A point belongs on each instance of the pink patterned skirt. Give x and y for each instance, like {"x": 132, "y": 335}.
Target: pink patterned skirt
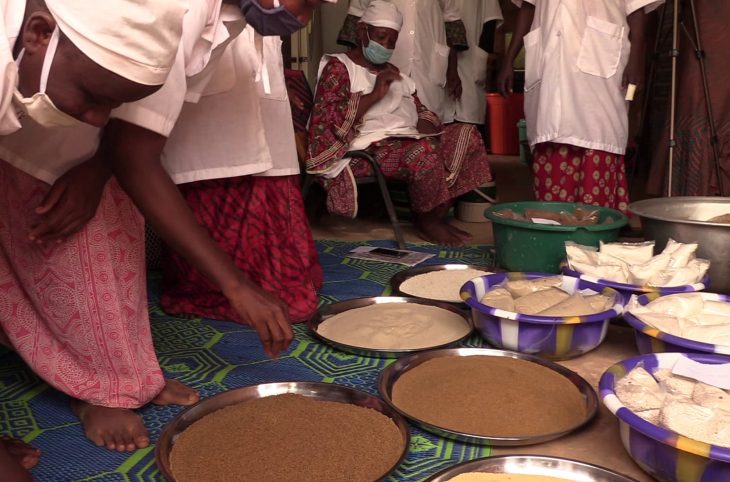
{"x": 77, "y": 311}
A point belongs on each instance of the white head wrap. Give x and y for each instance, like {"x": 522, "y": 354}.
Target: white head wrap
{"x": 136, "y": 39}
{"x": 382, "y": 14}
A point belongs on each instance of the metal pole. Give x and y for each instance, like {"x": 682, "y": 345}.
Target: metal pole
{"x": 697, "y": 44}
{"x": 673, "y": 95}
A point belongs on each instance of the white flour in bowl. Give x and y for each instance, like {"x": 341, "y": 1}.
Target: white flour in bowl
{"x": 395, "y": 326}
{"x": 443, "y": 285}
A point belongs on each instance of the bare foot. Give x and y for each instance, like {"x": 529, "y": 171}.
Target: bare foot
{"x": 12, "y": 467}
{"x": 176, "y": 393}
{"x": 26, "y": 455}
{"x": 460, "y": 233}
{"x": 439, "y": 233}
{"x": 117, "y": 429}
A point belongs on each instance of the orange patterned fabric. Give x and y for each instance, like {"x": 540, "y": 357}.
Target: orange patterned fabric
{"x": 77, "y": 311}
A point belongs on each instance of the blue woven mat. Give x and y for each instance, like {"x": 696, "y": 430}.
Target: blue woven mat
{"x": 213, "y": 356}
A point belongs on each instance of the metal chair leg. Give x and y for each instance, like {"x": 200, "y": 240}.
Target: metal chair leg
{"x": 389, "y": 207}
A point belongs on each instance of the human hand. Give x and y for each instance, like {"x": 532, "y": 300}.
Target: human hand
{"x": 504, "y": 80}
{"x": 425, "y": 127}
{"x": 634, "y": 71}
{"x": 71, "y": 202}
{"x": 264, "y": 313}
{"x": 385, "y": 77}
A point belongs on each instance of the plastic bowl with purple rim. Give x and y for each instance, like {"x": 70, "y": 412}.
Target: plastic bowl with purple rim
{"x": 653, "y": 340}
{"x": 665, "y": 455}
{"x": 628, "y": 289}
{"x": 553, "y": 337}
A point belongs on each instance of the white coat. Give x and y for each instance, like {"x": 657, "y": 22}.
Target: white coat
{"x": 231, "y": 117}
{"x": 472, "y": 63}
{"x": 575, "y": 56}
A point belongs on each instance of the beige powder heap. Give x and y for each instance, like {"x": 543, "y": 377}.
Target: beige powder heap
{"x": 490, "y": 396}
{"x": 442, "y": 285}
{"x": 286, "y": 438}
{"x": 487, "y": 477}
{"x": 395, "y": 326}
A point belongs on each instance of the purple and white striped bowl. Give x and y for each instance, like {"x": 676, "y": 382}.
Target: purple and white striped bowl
{"x": 553, "y": 337}
{"x": 628, "y": 289}
{"x": 653, "y": 340}
{"x": 663, "y": 454}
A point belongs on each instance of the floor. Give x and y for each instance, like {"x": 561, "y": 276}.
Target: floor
{"x": 514, "y": 183}
{"x": 599, "y": 443}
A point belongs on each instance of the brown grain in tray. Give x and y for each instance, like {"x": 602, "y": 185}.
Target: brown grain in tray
{"x": 490, "y": 396}
{"x": 287, "y": 438}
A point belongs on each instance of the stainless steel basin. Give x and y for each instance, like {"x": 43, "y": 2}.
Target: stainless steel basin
{"x": 684, "y": 219}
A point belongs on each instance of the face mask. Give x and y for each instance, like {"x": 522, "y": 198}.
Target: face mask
{"x": 375, "y": 52}
{"x": 277, "y": 21}
{"x": 40, "y": 107}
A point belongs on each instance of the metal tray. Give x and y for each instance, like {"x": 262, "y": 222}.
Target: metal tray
{"x": 343, "y": 306}
{"x": 560, "y": 468}
{"x": 389, "y": 376}
{"x": 400, "y": 277}
{"x": 316, "y": 390}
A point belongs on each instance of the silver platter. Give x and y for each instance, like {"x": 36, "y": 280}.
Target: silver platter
{"x": 348, "y": 305}
{"x": 560, "y": 468}
{"x": 316, "y": 390}
{"x": 389, "y": 376}
{"x": 399, "y": 278}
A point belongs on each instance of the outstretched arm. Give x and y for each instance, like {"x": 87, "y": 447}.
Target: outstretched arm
{"x": 135, "y": 156}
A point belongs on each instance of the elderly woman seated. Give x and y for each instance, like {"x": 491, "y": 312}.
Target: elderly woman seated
{"x": 363, "y": 102}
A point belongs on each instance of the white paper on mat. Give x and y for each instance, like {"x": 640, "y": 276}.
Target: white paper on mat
{"x": 411, "y": 258}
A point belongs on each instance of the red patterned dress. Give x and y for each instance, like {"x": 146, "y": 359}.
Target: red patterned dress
{"x": 569, "y": 173}
{"x": 437, "y": 169}
{"x": 261, "y": 223}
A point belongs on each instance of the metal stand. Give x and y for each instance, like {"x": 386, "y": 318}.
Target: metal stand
{"x": 696, "y": 43}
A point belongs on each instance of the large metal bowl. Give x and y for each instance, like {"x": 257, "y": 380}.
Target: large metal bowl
{"x": 393, "y": 372}
{"x": 315, "y": 390}
{"x": 342, "y": 306}
{"x": 560, "y": 468}
{"x": 684, "y": 219}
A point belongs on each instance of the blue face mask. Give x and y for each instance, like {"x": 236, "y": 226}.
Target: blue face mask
{"x": 277, "y": 21}
{"x": 375, "y": 52}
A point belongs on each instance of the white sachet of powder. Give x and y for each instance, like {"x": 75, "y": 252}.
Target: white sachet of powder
{"x": 640, "y": 274}
{"x": 681, "y": 253}
{"x": 711, "y": 397}
{"x": 716, "y": 307}
{"x": 679, "y": 305}
{"x": 630, "y": 253}
{"x": 499, "y": 298}
{"x": 538, "y": 301}
{"x": 639, "y": 391}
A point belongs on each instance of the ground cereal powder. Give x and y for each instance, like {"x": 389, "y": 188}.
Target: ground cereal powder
{"x": 287, "y": 438}
{"x": 490, "y": 396}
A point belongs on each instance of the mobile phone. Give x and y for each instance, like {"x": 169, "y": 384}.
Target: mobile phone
{"x": 393, "y": 253}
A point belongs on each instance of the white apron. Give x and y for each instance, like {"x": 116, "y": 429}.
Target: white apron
{"x": 575, "y": 56}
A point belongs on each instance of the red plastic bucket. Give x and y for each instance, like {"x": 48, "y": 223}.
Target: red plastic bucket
{"x": 504, "y": 113}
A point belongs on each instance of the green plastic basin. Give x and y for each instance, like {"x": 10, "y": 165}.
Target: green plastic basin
{"x": 525, "y": 246}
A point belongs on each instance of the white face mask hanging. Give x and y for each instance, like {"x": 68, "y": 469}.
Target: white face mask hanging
{"x": 40, "y": 107}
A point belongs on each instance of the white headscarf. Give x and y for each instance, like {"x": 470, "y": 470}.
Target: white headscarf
{"x": 382, "y": 14}
{"x": 136, "y": 39}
